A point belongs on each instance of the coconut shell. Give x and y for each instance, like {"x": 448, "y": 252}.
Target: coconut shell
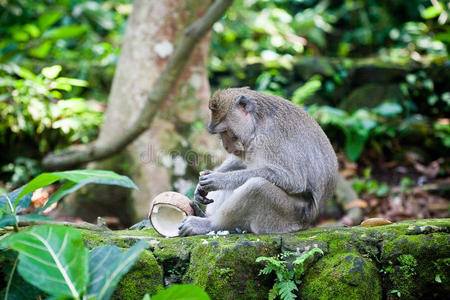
{"x": 167, "y": 211}
{"x": 175, "y": 199}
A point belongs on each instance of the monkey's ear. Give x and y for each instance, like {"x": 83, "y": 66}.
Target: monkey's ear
{"x": 245, "y": 103}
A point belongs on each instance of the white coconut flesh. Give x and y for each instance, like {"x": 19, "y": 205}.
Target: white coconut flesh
{"x": 166, "y": 219}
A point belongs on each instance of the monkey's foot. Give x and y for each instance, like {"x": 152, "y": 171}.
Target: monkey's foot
{"x": 195, "y": 225}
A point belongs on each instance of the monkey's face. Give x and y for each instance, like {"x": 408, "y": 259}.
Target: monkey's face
{"x": 232, "y": 144}
{"x": 232, "y": 113}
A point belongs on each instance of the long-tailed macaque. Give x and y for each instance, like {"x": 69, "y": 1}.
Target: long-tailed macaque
{"x": 280, "y": 171}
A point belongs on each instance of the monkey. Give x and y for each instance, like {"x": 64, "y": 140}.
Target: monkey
{"x": 280, "y": 171}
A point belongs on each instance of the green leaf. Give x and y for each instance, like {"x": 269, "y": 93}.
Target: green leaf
{"x": 52, "y": 258}
{"x": 102, "y": 176}
{"x": 433, "y": 11}
{"x": 12, "y": 196}
{"x": 65, "y": 32}
{"x": 32, "y": 30}
{"x": 40, "y": 181}
{"x": 67, "y": 188}
{"x": 48, "y": 19}
{"x": 304, "y": 256}
{"x": 442, "y": 36}
{"x": 72, "y": 81}
{"x": 354, "y": 144}
{"x": 307, "y": 90}
{"x": 388, "y": 109}
{"x": 51, "y": 72}
{"x": 95, "y": 176}
{"x": 25, "y": 73}
{"x": 42, "y": 50}
{"x": 383, "y": 190}
{"x": 273, "y": 293}
{"x": 437, "y": 278}
{"x": 329, "y": 115}
{"x": 182, "y": 292}
{"x": 71, "y": 186}
{"x": 8, "y": 220}
{"x": 20, "y": 36}
{"x": 107, "y": 265}
{"x": 286, "y": 289}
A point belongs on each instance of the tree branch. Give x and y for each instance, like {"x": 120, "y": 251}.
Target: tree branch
{"x": 156, "y": 97}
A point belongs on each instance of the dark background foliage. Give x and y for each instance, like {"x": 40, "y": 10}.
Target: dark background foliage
{"x": 374, "y": 74}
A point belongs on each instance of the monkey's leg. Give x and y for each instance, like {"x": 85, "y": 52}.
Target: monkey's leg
{"x": 193, "y": 225}
{"x": 260, "y": 207}
{"x": 219, "y": 198}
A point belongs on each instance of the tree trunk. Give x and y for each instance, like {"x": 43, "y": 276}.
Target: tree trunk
{"x": 169, "y": 155}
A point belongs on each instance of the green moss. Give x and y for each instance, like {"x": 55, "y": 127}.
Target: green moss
{"x": 342, "y": 276}
{"x": 227, "y": 270}
{"x": 408, "y": 264}
{"x": 144, "y": 277}
{"x": 412, "y": 262}
{"x": 93, "y": 239}
{"x": 120, "y": 238}
{"x": 173, "y": 255}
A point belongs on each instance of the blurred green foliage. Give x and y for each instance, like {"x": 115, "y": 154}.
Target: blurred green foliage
{"x": 36, "y": 116}
{"x": 82, "y": 36}
{"x": 374, "y": 73}
{"x": 320, "y": 53}
{"x": 49, "y": 51}
{"x": 367, "y": 185}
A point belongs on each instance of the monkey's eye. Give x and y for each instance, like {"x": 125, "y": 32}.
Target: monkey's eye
{"x": 213, "y": 107}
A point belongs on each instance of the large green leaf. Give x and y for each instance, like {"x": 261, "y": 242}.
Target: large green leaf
{"x": 182, "y": 292}
{"x": 52, "y": 258}
{"x": 107, "y": 265}
{"x": 78, "y": 176}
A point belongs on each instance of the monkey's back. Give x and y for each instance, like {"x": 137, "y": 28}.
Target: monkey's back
{"x": 298, "y": 144}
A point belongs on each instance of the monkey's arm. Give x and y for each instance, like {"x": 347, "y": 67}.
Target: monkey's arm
{"x": 231, "y": 163}
{"x": 290, "y": 183}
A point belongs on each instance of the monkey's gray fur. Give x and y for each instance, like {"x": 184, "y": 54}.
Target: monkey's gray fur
{"x": 281, "y": 173}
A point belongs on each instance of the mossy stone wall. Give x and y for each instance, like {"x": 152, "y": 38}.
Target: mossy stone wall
{"x": 406, "y": 260}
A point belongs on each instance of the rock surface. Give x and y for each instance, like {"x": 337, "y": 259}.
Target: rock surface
{"x": 410, "y": 259}
{"x": 404, "y": 260}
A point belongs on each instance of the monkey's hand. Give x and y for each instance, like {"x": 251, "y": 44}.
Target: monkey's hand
{"x": 211, "y": 181}
{"x": 195, "y": 225}
{"x": 200, "y": 196}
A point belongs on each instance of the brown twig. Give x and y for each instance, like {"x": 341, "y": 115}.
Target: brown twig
{"x": 83, "y": 225}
